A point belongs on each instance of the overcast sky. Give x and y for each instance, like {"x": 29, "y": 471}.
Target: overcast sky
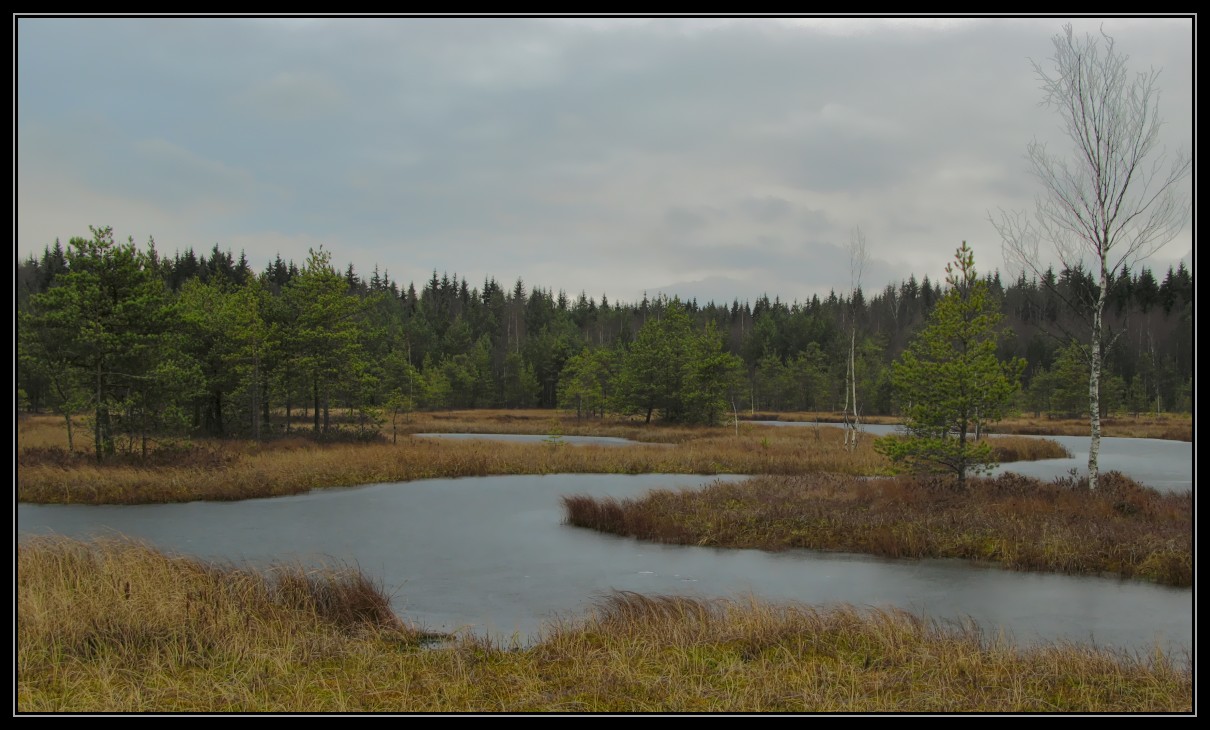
{"x": 710, "y": 158}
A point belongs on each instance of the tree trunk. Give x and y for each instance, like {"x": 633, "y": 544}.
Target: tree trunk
{"x": 105, "y": 431}
{"x": 266, "y": 423}
{"x": 255, "y": 397}
{"x": 218, "y": 413}
{"x": 143, "y": 430}
{"x": 1094, "y": 382}
{"x": 853, "y": 383}
{"x": 315, "y": 398}
{"x": 327, "y": 418}
{"x": 850, "y": 389}
{"x": 962, "y": 457}
{"x": 102, "y": 437}
{"x": 71, "y": 444}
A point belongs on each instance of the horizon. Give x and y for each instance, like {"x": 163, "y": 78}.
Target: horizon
{"x": 714, "y": 159}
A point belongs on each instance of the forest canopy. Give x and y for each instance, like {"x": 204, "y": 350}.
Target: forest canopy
{"x": 206, "y": 344}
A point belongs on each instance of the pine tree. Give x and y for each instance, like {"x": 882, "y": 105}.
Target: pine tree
{"x": 105, "y": 329}
{"x": 674, "y": 369}
{"x": 326, "y": 338}
{"x": 949, "y": 381}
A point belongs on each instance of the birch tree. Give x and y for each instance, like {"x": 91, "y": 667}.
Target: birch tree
{"x": 858, "y": 256}
{"x": 1114, "y": 199}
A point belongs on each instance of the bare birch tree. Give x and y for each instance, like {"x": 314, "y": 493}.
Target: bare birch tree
{"x": 1116, "y": 200}
{"x": 858, "y": 256}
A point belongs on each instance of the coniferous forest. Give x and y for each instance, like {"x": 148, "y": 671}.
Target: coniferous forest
{"x": 207, "y": 344}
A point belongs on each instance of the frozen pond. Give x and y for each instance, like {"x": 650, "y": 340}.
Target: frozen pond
{"x": 1164, "y": 465}
{"x": 491, "y": 555}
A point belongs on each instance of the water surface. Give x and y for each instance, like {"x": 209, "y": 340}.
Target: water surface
{"x": 491, "y": 555}
{"x": 1163, "y": 464}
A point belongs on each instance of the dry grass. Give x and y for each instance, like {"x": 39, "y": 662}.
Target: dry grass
{"x": 116, "y": 627}
{"x": 835, "y": 417}
{"x": 547, "y": 422}
{"x": 49, "y": 432}
{"x": 1170, "y": 426}
{"x": 1167, "y": 426}
{"x": 1008, "y": 449}
{"x": 233, "y": 470}
{"x": 1021, "y": 523}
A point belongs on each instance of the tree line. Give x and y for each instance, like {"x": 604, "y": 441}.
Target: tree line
{"x": 196, "y": 344}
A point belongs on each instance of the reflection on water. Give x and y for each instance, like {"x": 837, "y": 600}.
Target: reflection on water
{"x": 491, "y": 554}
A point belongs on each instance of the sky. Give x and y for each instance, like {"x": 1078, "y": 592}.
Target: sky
{"x": 708, "y": 158}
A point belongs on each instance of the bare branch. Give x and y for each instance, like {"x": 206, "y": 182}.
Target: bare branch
{"x": 1116, "y": 200}
{"x": 859, "y": 256}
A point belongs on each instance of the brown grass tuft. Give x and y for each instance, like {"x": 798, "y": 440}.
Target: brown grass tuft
{"x": 1022, "y": 523}
{"x": 114, "y": 626}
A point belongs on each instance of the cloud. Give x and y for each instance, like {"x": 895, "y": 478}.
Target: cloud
{"x": 608, "y": 155}
{"x": 291, "y": 96}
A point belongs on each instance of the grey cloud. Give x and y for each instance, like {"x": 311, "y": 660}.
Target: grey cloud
{"x": 292, "y": 95}
{"x": 588, "y": 145}
{"x": 766, "y": 208}
{"x": 683, "y": 219}
{"x": 813, "y": 221}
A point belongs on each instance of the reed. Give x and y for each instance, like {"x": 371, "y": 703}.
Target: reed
{"x": 232, "y": 470}
{"x": 114, "y": 626}
{"x": 1166, "y": 426}
{"x": 548, "y": 421}
{"x": 833, "y": 417}
{"x": 45, "y": 431}
{"x": 1020, "y": 523}
{"x": 1169, "y": 426}
{"x": 1008, "y": 449}
{"x": 96, "y": 616}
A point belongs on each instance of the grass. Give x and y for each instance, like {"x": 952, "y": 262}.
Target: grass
{"x": 545, "y": 421}
{"x": 232, "y": 470}
{"x": 1007, "y": 449}
{"x": 1020, "y": 523}
{"x": 115, "y": 626}
{"x": 1169, "y": 426}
